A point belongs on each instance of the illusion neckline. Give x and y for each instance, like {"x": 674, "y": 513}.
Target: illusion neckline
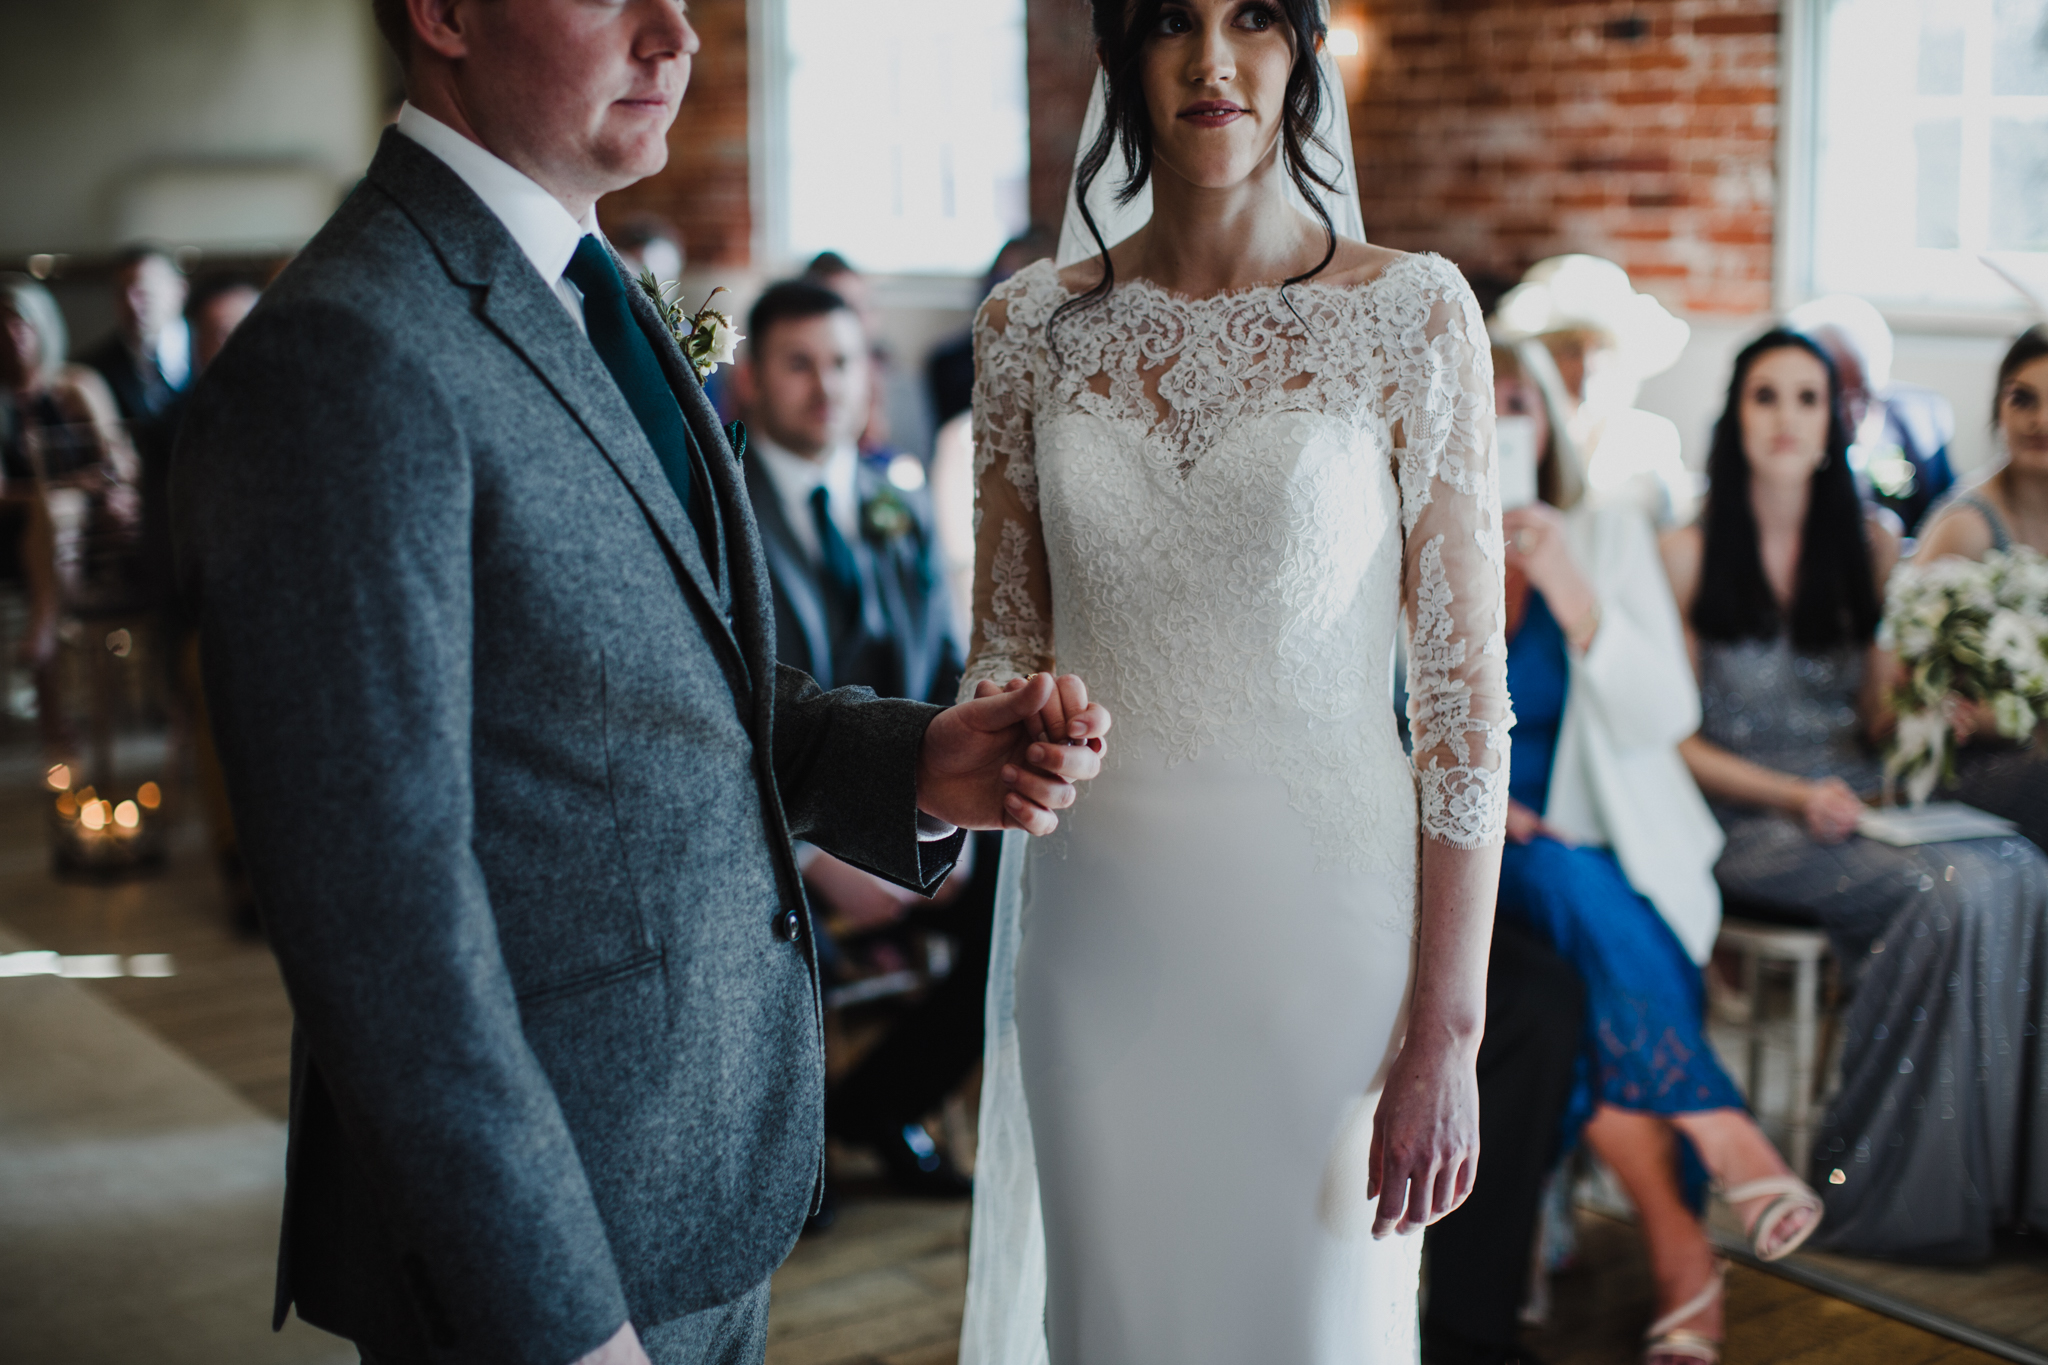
{"x": 1242, "y": 292}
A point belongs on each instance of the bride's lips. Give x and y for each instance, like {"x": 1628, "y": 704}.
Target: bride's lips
{"x": 1213, "y": 113}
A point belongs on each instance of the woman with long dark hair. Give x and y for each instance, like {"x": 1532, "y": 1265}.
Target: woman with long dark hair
{"x": 2005, "y": 507}
{"x": 1920, "y": 1152}
{"x": 1234, "y": 1016}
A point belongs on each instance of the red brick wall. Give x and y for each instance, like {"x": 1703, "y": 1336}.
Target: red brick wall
{"x": 1060, "y": 65}
{"x": 704, "y": 189}
{"x": 1499, "y": 132}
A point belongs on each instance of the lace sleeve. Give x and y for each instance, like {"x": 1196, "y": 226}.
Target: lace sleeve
{"x": 1012, "y": 593}
{"x": 1440, "y": 407}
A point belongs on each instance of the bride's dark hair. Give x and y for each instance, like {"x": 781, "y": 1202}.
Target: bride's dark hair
{"x": 1122, "y": 28}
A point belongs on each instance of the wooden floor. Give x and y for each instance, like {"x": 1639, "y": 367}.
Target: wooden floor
{"x": 885, "y": 1286}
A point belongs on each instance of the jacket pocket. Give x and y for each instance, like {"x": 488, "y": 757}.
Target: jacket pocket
{"x": 593, "y": 979}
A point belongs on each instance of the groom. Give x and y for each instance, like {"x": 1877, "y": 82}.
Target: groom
{"x": 490, "y": 652}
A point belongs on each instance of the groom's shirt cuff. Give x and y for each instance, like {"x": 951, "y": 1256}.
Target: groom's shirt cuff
{"x": 931, "y": 829}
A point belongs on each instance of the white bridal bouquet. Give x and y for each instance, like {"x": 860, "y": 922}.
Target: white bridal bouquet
{"x": 1969, "y": 630}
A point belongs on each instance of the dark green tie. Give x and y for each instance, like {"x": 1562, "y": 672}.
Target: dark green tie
{"x": 627, "y": 353}
{"x": 842, "y": 573}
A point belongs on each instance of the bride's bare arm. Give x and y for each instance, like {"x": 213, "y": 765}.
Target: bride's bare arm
{"x": 1426, "y": 1133}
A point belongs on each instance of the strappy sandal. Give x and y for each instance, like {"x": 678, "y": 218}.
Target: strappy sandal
{"x": 1794, "y": 1196}
{"x": 1666, "y": 1343}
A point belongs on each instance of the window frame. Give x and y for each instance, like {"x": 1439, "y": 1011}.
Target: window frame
{"x": 1802, "y": 64}
{"x": 769, "y": 162}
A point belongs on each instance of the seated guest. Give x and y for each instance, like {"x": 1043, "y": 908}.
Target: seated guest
{"x": 218, "y": 305}
{"x": 1898, "y": 432}
{"x": 2004, "y": 507}
{"x": 1609, "y": 862}
{"x": 859, "y": 599}
{"x": 66, "y": 467}
{"x": 900, "y": 418}
{"x": 148, "y": 359}
{"x": 1921, "y": 1152}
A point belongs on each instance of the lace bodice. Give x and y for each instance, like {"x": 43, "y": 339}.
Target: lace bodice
{"x": 1216, "y": 513}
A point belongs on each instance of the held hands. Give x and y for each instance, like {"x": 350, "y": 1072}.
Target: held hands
{"x": 1425, "y": 1135}
{"x": 1830, "y": 809}
{"x": 1010, "y": 758}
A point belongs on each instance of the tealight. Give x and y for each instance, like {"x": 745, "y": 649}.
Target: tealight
{"x": 127, "y": 816}
{"x": 150, "y": 795}
{"x": 93, "y": 815}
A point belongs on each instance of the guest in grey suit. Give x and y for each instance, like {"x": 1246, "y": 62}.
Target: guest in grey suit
{"x": 491, "y": 659}
{"x": 860, "y": 598}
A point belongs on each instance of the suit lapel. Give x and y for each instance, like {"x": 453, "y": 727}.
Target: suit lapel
{"x": 790, "y": 572}
{"x": 533, "y": 322}
{"x": 753, "y": 612}
{"x": 477, "y": 251}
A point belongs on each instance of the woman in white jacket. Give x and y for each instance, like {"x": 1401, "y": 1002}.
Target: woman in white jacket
{"x": 1610, "y": 860}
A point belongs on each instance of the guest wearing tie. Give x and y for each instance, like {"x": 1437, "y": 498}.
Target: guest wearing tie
{"x": 148, "y": 359}
{"x": 860, "y": 600}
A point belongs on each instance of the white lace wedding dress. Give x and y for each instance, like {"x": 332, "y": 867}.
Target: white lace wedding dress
{"x": 1216, "y": 513}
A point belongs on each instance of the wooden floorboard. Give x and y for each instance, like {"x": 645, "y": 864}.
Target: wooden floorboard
{"x": 884, "y": 1287}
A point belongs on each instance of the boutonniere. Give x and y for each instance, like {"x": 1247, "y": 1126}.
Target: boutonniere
{"x": 886, "y": 515}
{"x": 707, "y": 337}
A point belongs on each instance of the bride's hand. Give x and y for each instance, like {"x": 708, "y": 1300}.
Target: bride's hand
{"x": 985, "y": 764}
{"x": 1425, "y": 1136}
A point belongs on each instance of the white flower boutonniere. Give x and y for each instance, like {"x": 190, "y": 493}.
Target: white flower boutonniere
{"x": 707, "y": 337}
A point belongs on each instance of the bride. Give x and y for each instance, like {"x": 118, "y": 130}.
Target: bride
{"x": 1235, "y": 1002}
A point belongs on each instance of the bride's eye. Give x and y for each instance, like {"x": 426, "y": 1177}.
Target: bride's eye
{"x": 1258, "y": 18}
{"x": 1174, "y": 23}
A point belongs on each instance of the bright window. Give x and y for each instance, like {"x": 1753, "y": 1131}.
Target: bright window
{"x": 1930, "y": 150}
{"x": 897, "y": 133}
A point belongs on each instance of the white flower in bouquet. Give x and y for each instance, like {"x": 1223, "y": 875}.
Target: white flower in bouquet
{"x": 1967, "y": 630}
{"x": 2014, "y": 717}
{"x": 2014, "y": 641}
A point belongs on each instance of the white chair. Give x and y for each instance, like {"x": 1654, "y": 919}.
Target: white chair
{"x": 1777, "y": 947}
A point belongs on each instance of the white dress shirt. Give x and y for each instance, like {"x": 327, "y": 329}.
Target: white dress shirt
{"x": 172, "y": 353}
{"x": 536, "y": 219}
{"x": 796, "y": 478}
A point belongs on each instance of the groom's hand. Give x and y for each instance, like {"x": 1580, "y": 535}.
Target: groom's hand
{"x": 1010, "y": 758}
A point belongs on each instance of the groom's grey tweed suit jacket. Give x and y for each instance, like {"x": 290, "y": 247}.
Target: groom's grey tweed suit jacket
{"x": 516, "y": 780}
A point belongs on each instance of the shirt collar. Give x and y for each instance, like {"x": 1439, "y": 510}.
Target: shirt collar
{"x": 795, "y": 477}
{"x": 545, "y": 232}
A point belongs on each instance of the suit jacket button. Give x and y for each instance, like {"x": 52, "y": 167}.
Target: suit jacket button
{"x": 787, "y": 925}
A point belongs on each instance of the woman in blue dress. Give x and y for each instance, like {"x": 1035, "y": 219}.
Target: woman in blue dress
{"x": 1610, "y": 860}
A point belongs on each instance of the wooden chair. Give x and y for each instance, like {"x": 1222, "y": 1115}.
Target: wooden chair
{"x": 1769, "y": 940}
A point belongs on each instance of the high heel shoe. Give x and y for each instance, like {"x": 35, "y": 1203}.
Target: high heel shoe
{"x": 1794, "y": 1196}
{"x": 1666, "y": 1343}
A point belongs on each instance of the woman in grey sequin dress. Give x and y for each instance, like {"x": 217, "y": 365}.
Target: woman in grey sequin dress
{"x": 1939, "y": 1133}
{"x": 2006, "y": 507}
